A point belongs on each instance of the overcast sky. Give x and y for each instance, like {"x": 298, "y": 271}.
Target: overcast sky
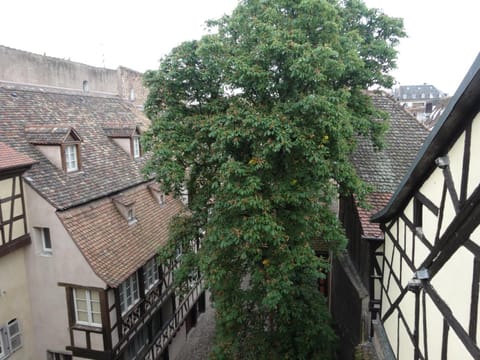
{"x": 443, "y": 35}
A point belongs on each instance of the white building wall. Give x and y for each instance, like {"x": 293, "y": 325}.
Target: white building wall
{"x": 44, "y": 273}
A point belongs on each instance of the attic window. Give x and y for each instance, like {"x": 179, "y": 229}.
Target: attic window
{"x": 59, "y": 143}
{"x": 126, "y": 208}
{"x": 157, "y": 194}
{"x": 127, "y": 136}
{"x": 71, "y": 160}
{"x": 136, "y": 147}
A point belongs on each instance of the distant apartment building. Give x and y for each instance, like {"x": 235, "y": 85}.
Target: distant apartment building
{"x": 419, "y": 100}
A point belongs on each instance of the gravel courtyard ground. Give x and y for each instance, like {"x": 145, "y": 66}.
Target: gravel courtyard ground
{"x": 200, "y": 338}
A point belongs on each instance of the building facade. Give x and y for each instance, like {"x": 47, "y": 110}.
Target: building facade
{"x": 16, "y": 333}
{"x": 92, "y": 286}
{"x": 431, "y": 258}
{"x": 355, "y": 296}
{"x": 420, "y": 100}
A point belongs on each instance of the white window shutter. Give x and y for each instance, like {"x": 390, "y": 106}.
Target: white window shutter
{"x": 14, "y": 335}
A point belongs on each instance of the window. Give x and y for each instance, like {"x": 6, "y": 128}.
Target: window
{"x": 137, "y": 344}
{"x": 44, "y": 240}
{"x": 3, "y": 351}
{"x": 14, "y": 335}
{"x": 130, "y": 215}
{"x": 150, "y": 274}
{"x": 128, "y": 292}
{"x": 71, "y": 160}
{"x": 136, "y": 147}
{"x": 10, "y": 338}
{"x": 87, "y": 307}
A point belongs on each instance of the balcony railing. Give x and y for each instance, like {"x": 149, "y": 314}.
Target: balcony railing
{"x": 143, "y": 311}
{"x": 160, "y": 342}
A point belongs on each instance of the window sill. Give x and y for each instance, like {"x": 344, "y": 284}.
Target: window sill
{"x": 85, "y": 327}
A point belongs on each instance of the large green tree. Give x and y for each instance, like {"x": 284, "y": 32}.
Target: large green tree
{"x": 256, "y": 121}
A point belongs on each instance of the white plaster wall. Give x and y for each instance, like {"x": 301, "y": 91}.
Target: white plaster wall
{"x": 67, "y": 264}
{"x": 453, "y": 282}
{"x": 432, "y": 188}
{"x": 52, "y": 153}
{"x": 124, "y": 143}
{"x": 14, "y": 300}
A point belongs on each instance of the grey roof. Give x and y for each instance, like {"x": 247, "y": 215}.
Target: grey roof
{"x": 385, "y": 169}
{"x": 458, "y": 113}
{"x": 417, "y": 92}
{"x": 49, "y": 134}
{"x": 33, "y": 114}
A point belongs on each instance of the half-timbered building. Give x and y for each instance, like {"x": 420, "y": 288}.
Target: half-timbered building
{"x": 16, "y": 335}
{"x": 354, "y": 300}
{"x": 95, "y": 287}
{"x": 431, "y": 255}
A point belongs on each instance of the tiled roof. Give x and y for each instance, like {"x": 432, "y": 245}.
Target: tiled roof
{"x": 459, "y": 112}
{"x": 377, "y": 201}
{"x": 44, "y": 134}
{"x": 119, "y": 130}
{"x": 112, "y": 247}
{"x": 9, "y": 158}
{"x": 385, "y": 169}
{"x": 28, "y": 113}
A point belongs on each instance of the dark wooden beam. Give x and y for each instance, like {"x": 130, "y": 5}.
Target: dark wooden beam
{"x": 440, "y": 215}
{"x": 455, "y": 235}
{"x": 427, "y": 203}
{"x": 472, "y": 330}
{"x": 447, "y": 174}
{"x": 466, "y": 164}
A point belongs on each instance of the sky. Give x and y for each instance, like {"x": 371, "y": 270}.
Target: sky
{"x": 441, "y": 44}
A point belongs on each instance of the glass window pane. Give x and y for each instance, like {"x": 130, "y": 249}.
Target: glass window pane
{"x": 96, "y": 318}
{"x": 81, "y": 305}
{"x": 95, "y": 307}
{"x": 95, "y": 295}
{"x": 82, "y": 316}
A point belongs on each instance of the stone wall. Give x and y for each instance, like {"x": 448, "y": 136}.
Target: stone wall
{"x": 23, "y": 67}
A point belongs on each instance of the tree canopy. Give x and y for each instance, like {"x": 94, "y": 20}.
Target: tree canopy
{"x": 256, "y": 121}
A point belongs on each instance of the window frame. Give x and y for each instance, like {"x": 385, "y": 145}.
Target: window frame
{"x": 89, "y": 309}
{"x": 65, "y": 159}
{"x": 18, "y": 334}
{"x": 150, "y": 271}
{"x": 129, "y": 285}
{"x": 136, "y": 148}
{"x": 3, "y": 350}
{"x": 41, "y": 240}
{"x": 69, "y": 159}
{"x": 46, "y": 250}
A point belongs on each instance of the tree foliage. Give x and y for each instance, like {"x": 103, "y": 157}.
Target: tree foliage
{"x": 257, "y": 122}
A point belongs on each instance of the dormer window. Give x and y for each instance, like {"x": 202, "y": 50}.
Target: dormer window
{"x": 126, "y": 207}
{"x": 157, "y": 194}
{"x": 130, "y": 215}
{"x": 71, "y": 160}
{"x": 127, "y": 136}
{"x": 59, "y": 143}
{"x": 136, "y": 147}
